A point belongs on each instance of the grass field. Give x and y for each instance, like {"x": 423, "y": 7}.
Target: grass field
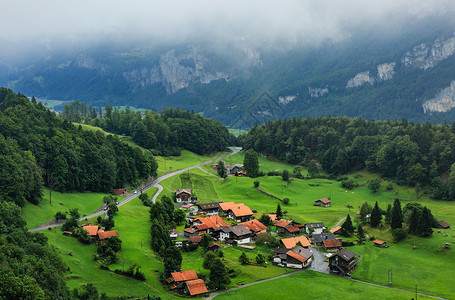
{"x": 87, "y": 203}
{"x": 313, "y": 285}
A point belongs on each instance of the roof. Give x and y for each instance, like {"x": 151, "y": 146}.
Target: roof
{"x": 173, "y": 231}
{"x": 346, "y": 254}
{"x": 378, "y": 242}
{"x": 196, "y": 239}
{"x": 254, "y": 225}
{"x": 282, "y": 223}
{"x": 196, "y": 287}
{"x": 179, "y": 191}
{"x": 227, "y": 205}
{"x": 224, "y": 229}
{"x": 213, "y": 222}
{"x": 107, "y": 234}
{"x": 190, "y": 230}
{"x": 296, "y": 256}
{"x": 335, "y": 229}
{"x": 443, "y": 223}
{"x": 240, "y": 230}
{"x": 324, "y": 200}
{"x": 187, "y": 205}
{"x": 315, "y": 225}
{"x": 91, "y": 230}
{"x": 212, "y": 205}
{"x": 213, "y": 245}
{"x": 318, "y": 238}
{"x": 272, "y": 217}
{"x": 184, "y": 275}
{"x": 239, "y": 209}
{"x": 292, "y": 229}
{"x": 331, "y": 243}
{"x": 292, "y": 242}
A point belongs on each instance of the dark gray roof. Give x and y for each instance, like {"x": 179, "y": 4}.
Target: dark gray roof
{"x": 315, "y": 225}
{"x": 346, "y": 254}
{"x": 281, "y": 250}
{"x": 212, "y": 205}
{"x": 224, "y": 229}
{"x": 302, "y": 251}
{"x": 318, "y": 238}
{"x": 240, "y": 230}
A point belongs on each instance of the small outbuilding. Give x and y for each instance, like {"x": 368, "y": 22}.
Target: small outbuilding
{"x": 443, "y": 224}
{"x": 323, "y": 202}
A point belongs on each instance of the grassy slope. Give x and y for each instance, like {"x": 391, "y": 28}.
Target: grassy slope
{"x": 87, "y": 203}
{"x": 312, "y": 285}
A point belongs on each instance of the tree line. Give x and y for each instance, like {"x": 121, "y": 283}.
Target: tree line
{"x": 411, "y": 154}
{"x": 165, "y": 133}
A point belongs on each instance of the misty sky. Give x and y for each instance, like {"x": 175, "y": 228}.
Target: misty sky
{"x": 304, "y": 21}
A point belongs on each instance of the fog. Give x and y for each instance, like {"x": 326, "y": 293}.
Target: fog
{"x": 85, "y": 22}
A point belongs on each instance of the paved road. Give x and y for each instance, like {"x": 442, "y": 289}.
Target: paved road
{"x": 339, "y": 222}
{"x": 153, "y": 183}
{"x": 205, "y": 171}
{"x": 319, "y": 264}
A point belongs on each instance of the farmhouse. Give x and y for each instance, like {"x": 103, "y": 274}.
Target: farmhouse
{"x": 290, "y": 243}
{"x": 208, "y": 224}
{"x": 323, "y": 202}
{"x": 195, "y": 239}
{"x": 120, "y": 192}
{"x": 91, "y": 230}
{"x": 255, "y": 226}
{"x": 213, "y": 247}
{"x": 178, "y": 279}
{"x": 297, "y": 257}
{"x": 234, "y": 168}
{"x": 195, "y": 287}
{"x": 209, "y": 208}
{"x": 182, "y": 194}
{"x": 173, "y": 234}
{"x": 317, "y": 239}
{"x": 343, "y": 261}
{"x": 107, "y": 234}
{"x": 443, "y": 224}
{"x": 317, "y": 228}
{"x": 288, "y": 227}
{"x": 188, "y": 232}
{"x": 381, "y": 244}
{"x": 239, "y": 234}
{"x": 238, "y": 212}
{"x": 331, "y": 245}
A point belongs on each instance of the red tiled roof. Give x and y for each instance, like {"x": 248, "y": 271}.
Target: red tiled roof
{"x": 331, "y": 243}
{"x": 179, "y": 191}
{"x": 107, "y": 234}
{"x": 292, "y": 228}
{"x": 91, "y": 230}
{"x": 254, "y": 225}
{"x": 190, "y": 230}
{"x": 195, "y": 239}
{"x": 296, "y": 256}
{"x": 282, "y": 223}
{"x": 333, "y": 230}
{"x": 325, "y": 200}
{"x": 213, "y": 244}
{"x": 184, "y": 275}
{"x": 239, "y": 210}
{"x": 213, "y": 222}
{"x": 378, "y": 242}
{"x": 196, "y": 287}
{"x": 291, "y": 242}
{"x": 272, "y": 217}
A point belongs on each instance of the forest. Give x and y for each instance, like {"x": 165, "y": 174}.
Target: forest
{"x": 411, "y": 154}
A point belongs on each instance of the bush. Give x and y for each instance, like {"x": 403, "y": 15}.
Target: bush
{"x": 399, "y": 234}
{"x": 256, "y": 184}
{"x": 348, "y": 184}
{"x": 341, "y": 178}
{"x": 286, "y": 201}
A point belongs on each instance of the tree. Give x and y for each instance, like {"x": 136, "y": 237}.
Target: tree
{"x": 398, "y": 234}
{"x": 172, "y": 259}
{"x": 115, "y": 243}
{"x": 365, "y": 210}
{"x": 413, "y": 220}
{"x": 209, "y": 257}
{"x": 285, "y": 175}
{"x": 374, "y": 185}
{"x": 60, "y": 216}
{"x": 221, "y": 169}
{"x": 243, "y": 259}
{"x": 112, "y": 209}
{"x": 256, "y": 183}
{"x": 376, "y": 216}
{"x": 360, "y": 234}
{"x": 451, "y": 183}
{"x": 279, "y": 213}
{"x": 218, "y": 277}
{"x": 388, "y": 215}
{"x": 397, "y": 215}
{"x": 286, "y": 201}
{"x": 179, "y": 216}
{"x": 205, "y": 241}
{"x": 313, "y": 169}
{"x": 347, "y": 225}
{"x": 349, "y": 206}
{"x": 251, "y": 163}
{"x": 265, "y": 219}
{"x": 425, "y": 222}
{"x": 260, "y": 259}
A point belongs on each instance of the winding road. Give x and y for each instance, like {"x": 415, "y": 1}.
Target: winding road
{"x": 153, "y": 183}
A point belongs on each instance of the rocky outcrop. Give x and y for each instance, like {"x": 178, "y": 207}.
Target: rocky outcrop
{"x": 143, "y": 76}
{"x": 359, "y": 79}
{"x": 425, "y": 57}
{"x": 443, "y": 102}
{"x": 88, "y": 62}
{"x": 318, "y": 92}
{"x": 385, "y": 71}
{"x": 286, "y": 99}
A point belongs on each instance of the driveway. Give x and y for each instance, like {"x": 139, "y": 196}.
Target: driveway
{"x": 318, "y": 264}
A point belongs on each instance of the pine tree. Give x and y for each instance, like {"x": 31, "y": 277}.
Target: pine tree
{"x": 360, "y": 234}
{"x": 425, "y": 221}
{"x": 218, "y": 277}
{"x": 388, "y": 215}
{"x": 279, "y": 213}
{"x": 397, "y": 215}
{"x": 347, "y": 225}
{"x": 413, "y": 220}
{"x": 251, "y": 163}
{"x": 243, "y": 259}
{"x": 221, "y": 169}
{"x": 376, "y": 216}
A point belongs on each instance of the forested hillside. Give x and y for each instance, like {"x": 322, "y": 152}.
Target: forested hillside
{"x": 411, "y": 154}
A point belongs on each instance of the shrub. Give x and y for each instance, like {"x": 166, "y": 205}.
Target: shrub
{"x": 399, "y": 234}
{"x": 348, "y": 184}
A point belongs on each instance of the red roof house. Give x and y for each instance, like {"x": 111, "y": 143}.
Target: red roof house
{"x": 196, "y": 287}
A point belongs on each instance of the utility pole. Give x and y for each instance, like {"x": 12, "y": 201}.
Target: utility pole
{"x": 416, "y": 290}
{"x": 390, "y": 277}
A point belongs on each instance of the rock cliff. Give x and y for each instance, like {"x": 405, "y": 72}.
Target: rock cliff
{"x": 443, "y": 102}
{"x": 425, "y": 57}
{"x": 359, "y": 79}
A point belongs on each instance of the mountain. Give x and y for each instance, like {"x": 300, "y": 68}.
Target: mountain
{"x": 408, "y": 73}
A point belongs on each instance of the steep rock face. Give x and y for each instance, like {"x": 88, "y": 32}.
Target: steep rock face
{"x": 286, "y": 99}
{"x": 443, "y": 102}
{"x": 88, "y": 62}
{"x": 144, "y": 76}
{"x": 385, "y": 71}
{"x": 317, "y": 92}
{"x": 359, "y": 79}
{"x": 425, "y": 57}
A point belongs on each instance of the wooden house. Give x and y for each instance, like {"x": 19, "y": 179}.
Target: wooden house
{"x": 119, "y": 192}
{"x": 380, "y": 244}
{"x": 238, "y": 234}
{"x": 255, "y": 226}
{"x": 443, "y": 224}
{"x": 195, "y": 287}
{"x": 336, "y": 230}
{"x": 209, "y": 208}
{"x": 178, "y": 279}
{"x": 288, "y": 227}
{"x": 195, "y": 239}
{"x": 317, "y": 239}
{"x": 238, "y": 212}
{"x": 173, "y": 234}
{"x": 182, "y": 195}
{"x": 213, "y": 247}
{"x": 296, "y": 258}
{"x": 102, "y": 235}
{"x": 317, "y": 228}
{"x": 290, "y": 243}
{"x": 342, "y": 262}
{"x": 331, "y": 245}
{"x": 323, "y": 202}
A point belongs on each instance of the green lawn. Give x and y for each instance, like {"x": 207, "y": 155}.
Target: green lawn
{"x": 313, "y": 285}
{"x": 87, "y": 203}
{"x": 265, "y": 165}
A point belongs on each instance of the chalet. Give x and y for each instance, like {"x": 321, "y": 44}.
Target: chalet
{"x": 255, "y": 226}
{"x": 443, "y": 224}
{"x": 297, "y": 257}
{"x": 119, "y": 192}
{"x": 208, "y": 224}
{"x": 173, "y": 234}
{"x": 195, "y": 239}
{"x": 187, "y": 232}
{"x": 331, "y": 245}
{"x": 178, "y": 279}
{"x": 342, "y": 262}
{"x": 336, "y": 230}
{"x": 195, "y": 287}
{"x": 209, "y": 208}
{"x": 380, "y": 244}
{"x": 288, "y": 227}
{"x": 234, "y": 169}
{"x": 182, "y": 195}
{"x": 238, "y": 212}
{"x": 290, "y": 243}
{"x": 102, "y": 235}
{"x": 238, "y": 234}
{"x": 317, "y": 239}
{"x": 317, "y": 228}
{"x": 323, "y": 202}
{"x": 91, "y": 231}
{"x": 213, "y": 247}
{"x": 242, "y": 174}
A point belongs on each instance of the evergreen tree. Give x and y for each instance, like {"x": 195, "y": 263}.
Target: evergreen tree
{"x": 243, "y": 259}
{"x": 205, "y": 241}
{"x": 413, "y": 220}
{"x": 221, "y": 169}
{"x": 425, "y": 222}
{"x": 218, "y": 277}
{"x": 285, "y": 175}
{"x": 388, "y": 215}
{"x": 172, "y": 259}
{"x": 360, "y": 234}
{"x": 376, "y": 216}
{"x": 251, "y": 163}
{"x": 397, "y": 215}
{"x": 279, "y": 213}
{"x": 209, "y": 257}
{"x": 374, "y": 185}
{"x": 347, "y": 225}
